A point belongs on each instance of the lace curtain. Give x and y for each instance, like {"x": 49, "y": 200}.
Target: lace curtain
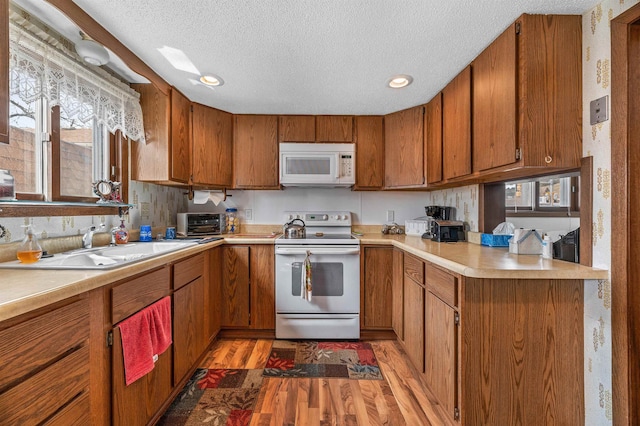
{"x": 37, "y": 69}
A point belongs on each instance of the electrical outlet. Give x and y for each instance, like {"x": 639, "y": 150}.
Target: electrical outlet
{"x": 390, "y": 215}
{"x": 248, "y": 214}
{"x": 599, "y": 110}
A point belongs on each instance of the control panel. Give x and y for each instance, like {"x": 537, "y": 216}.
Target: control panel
{"x": 346, "y": 165}
{"x": 320, "y": 218}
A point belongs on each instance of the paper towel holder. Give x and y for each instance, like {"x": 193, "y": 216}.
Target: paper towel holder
{"x": 224, "y": 191}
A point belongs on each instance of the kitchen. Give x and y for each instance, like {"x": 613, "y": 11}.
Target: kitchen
{"x": 158, "y": 204}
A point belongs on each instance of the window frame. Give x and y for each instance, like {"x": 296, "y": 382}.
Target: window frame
{"x": 541, "y": 211}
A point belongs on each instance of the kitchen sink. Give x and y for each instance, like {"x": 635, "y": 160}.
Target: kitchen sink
{"x": 107, "y": 257}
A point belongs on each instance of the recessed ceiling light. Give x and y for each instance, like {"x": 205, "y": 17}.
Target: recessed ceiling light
{"x": 400, "y": 81}
{"x": 211, "y": 80}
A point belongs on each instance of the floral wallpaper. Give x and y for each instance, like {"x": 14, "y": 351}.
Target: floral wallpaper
{"x": 596, "y": 75}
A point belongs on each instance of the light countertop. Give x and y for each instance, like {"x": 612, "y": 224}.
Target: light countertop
{"x": 22, "y": 290}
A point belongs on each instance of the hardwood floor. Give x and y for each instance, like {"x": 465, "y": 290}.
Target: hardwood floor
{"x": 400, "y": 399}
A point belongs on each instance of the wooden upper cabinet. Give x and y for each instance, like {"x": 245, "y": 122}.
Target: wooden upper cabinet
{"x": 527, "y": 96}
{"x": 369, "y": 140}
{"x": 4, "y": 71}
{"x": 456, "y": 126}
{"x": 404, "y": 148}
{"x": 212, "y": 147}
{"x": 334, "y": 128}
{"x": 297, "y": 128}
{"x": 180, "y": 137}
{"x": 255, "y": 153}
{"x": 433, "y": 139}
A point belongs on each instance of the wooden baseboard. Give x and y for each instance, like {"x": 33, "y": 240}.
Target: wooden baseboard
{"x": 231, "y": 333}
{"x": 378, "y": 335}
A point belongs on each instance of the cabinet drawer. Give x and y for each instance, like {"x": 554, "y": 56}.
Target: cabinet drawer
{"x": 34, "y": 400}
{"x": 78, "y": 413}
{"x": 414, "y": 268}
{"x": 442, "y": 284}
{"x": 32, "y": 344}
{"x": 129, "y": 297}
{"x": 187, "y": 270}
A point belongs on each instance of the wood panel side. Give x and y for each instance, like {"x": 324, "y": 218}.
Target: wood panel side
{"x": 369, "y": 140}
{"x": 495, "y": 103}
{"x": 586, "y": 211}
{"x": 296, "y": 128}
{"x": 524, "y": 339}
{"x": 456, "y": 126}
{"x": 433, "y": 139}
{"x": 334, "y": 128}
{"x": 262, "y": 282}
{"x": 4, "y": 71}
{"x": 180, "y": 137}
{"x": 212, "y": 147}
{"x": 378, "y": 276}
{"x": 234, "y": 300}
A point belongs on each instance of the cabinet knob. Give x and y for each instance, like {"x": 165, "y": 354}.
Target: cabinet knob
{"x": 548, "y": 159}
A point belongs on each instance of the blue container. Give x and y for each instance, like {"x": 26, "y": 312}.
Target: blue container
{"x": 495, "y": 240}
{"x": 171, "y": 233}
{"x": 145, "y": 233}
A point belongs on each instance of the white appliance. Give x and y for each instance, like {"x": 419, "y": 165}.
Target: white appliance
{"x": 317, "y": 164}
{"x": 334, "y": 309}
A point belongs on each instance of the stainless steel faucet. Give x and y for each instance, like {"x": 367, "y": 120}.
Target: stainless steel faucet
{"x": 87, "y": 238}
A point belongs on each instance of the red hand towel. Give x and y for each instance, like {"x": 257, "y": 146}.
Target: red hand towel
{"x": 144, "y": 335}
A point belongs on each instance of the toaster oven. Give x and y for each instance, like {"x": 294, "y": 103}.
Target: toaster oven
{"x": 200, "y": 224}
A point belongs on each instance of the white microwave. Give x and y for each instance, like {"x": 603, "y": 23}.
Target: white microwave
{"x": 317, "y": 164}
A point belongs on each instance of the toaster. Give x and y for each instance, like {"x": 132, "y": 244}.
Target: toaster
{"x": 447, "y": 231}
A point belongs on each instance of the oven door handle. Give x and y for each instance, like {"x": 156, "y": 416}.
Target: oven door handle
{"x": 338, "y": 251}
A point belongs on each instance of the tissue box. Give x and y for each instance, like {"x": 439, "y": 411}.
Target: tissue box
{"x": 492, "y": 240}
{"x": 525, "y": 241}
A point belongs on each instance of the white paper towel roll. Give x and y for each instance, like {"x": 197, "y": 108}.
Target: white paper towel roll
{"x": 201, "y": 197}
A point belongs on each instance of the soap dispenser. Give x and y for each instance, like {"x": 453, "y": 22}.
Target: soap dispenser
{"x": 29, "y": 251}
{"x": 122, "y": 234}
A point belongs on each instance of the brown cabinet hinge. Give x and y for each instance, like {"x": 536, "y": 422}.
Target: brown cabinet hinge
{"x": 456, "y": 318}
{"x": 110, "y": 338}
{"x": 456, "y": 413}
{"x": 518, "y": 154}
{"x": 518, "y": 28}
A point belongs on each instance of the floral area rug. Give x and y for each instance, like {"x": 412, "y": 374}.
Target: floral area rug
{"x": 353, "y": 360}
{"x": 216, "y": 397}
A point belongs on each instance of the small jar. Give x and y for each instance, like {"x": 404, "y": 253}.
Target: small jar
{"x": 145, "y": 233}
{"x": 7, "y": 188}
{"x": 233, "y": 224}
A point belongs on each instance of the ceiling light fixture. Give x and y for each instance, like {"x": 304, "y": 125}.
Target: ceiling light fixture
{"x": 91, "y": 52}
{"x": 211, "y": 80}
{"x": 400, "y": 81}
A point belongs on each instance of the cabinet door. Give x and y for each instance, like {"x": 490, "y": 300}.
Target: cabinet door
{"x": 495, "y": 103}
{"x": 441, "y": 352}
{"x": 377, "y": 276}
{"x": 4, "y": 71}
{"x": 369, "y": 139}
{"x": 234, "y": 308}
{"x": 212, "y": 146}
{"x": 433, "y": 139}
{"x": 297, "y": 128}
{"x": 456, "y": 126}
{"x": 255, "y": 153}
{"x": 404, "y": 148}
{"x": 334, "y": 128}
{"x": 413, "y": 310}
{"x": 150, "y": 160}
{"x": 397, "y": 294}
{"x": 189, "y": 340}
{"x": 262, "y": 282}
{"x": 180, "y": 137}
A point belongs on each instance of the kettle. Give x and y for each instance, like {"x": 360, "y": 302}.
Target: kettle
{"x": 292, "y": 230}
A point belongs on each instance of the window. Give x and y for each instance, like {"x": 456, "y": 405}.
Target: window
{"x": 545, "y": 195}
{"x": 68, "y": 122}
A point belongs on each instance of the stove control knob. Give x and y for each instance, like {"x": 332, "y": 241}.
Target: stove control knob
{"x": 344, "y": 217}
{"x": 290, "y": 217}
{"x": 325, "y": 217}
{"x": 298, "y": 216}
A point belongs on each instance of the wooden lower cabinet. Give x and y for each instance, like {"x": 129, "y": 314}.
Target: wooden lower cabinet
{"x": 414, "y": 322}
{"x": 397, "y": 294}
{"x": 376, "y": 290}
{"x": 248, "y": 288}
{"x": 189, "y": 340}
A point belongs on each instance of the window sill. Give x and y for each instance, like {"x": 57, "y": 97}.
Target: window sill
{"x": 537, "y": 213}
{"x": 58, "y": 208}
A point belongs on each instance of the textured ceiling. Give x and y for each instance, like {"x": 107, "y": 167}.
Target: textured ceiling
{"x": 312, "y": 56}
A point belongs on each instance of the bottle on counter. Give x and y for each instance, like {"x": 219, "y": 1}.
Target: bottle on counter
{"x": 233, "y": 224}
{"x": 547, "y": 247}
{"x": 122, "y": 234}
{"x": 29, "y": 250}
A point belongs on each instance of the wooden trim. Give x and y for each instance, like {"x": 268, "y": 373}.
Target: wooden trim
{"x": 586, "y": 211}
{"x": 54, "y": 170}
{"x": 97, "y": 32}
{"x": 49, "y": 209}
{"x": 4, "y": 71}
{"x": 625, "y": 237}
{"x": 492, "y": 208}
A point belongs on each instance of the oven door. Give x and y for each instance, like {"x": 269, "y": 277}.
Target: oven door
{"x": 335, "y": 279}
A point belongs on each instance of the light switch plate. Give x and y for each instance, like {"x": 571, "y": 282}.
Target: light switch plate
{"x": 390, "y": 215}
{"x": 599, "y": 110}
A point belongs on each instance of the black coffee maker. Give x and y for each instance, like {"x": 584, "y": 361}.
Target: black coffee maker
{"x": 440, "y": 213}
